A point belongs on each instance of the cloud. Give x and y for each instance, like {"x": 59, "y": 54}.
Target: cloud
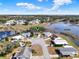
{"x": 42, "y": 0}
{"x": 59, "y": 3}
{"x": 28, "y": 6}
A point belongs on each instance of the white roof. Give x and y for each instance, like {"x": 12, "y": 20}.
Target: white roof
{"x": 60, "y": 41}
{"x": 18, "y": 37}
{"x": 26, "y": 34}
{"x": 48, "y": 33}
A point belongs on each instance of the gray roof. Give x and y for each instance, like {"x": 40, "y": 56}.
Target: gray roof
{"x": 68, "y": 51}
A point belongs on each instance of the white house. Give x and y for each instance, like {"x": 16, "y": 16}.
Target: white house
{"x": 20, "y": 22}
{"x": 10, "y": 22}
{"x": 37, "y": 21}
{"x": 27, "y": 34}
{"x": 18, "y": 37}
{"x": 60, "y": 41}
{"x": 47, "y": 34}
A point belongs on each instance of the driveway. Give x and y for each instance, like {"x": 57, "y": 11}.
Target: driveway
{"x": 41, "y": 42}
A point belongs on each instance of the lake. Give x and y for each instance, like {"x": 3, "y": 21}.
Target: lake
{"x": 65, "y": 27}
{"x": 4, "y": 34}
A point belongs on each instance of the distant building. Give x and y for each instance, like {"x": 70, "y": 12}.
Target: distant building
{"x": 68, "y": 51}
{"x": 10, "y": 22}
{"x": 37, "y": 21}
{"x": 20, "y": 22}
{"x": 14, "y": 22}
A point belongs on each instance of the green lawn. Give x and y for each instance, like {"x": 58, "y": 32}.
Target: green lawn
{"x": 2, "y": 58}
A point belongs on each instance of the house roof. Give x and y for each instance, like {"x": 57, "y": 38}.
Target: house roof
{"x": 48, "y": 33}
{"x": 26, "y": 34}
{"x": 18, "y": 37}
{"x": 68, "y": 51}
{"x": 60, "y": 41}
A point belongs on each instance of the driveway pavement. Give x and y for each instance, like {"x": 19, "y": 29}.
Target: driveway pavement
{"x": 41, "y": 42}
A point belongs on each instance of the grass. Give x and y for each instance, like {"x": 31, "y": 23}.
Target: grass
{"x": 69, "y": 41}
{"x": 2, "y": 58}
{"x": 37, "y": 50}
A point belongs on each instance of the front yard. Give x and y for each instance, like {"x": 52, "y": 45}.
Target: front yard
{"x": 2, "y": 58}
{"x": 37, "y": 50}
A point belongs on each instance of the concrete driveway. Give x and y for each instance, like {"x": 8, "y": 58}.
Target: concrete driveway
{"x": 41, "y": 42}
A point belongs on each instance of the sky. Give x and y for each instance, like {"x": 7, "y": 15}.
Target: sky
{"x": 39, "y": 7}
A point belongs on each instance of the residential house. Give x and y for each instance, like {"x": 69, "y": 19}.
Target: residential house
{"x": 60, "y": 42}
{"x": 16, "y": 38}
{"x": 20, "y": 22}
{"x": 37, "y": 21}
{"x": 26, "y": 34}
{"x": 10, "y": 22}
{"x": 47, "y": 34}
{"x": 68, "y": 51}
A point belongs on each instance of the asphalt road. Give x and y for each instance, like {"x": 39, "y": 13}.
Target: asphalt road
{"x": 41, "y": 42}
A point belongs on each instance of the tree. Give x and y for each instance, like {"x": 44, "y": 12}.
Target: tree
{"x": 6, "y": 39}
{"x": 37, "y": 28}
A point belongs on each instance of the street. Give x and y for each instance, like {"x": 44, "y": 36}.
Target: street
{"x": 41, "y": 42}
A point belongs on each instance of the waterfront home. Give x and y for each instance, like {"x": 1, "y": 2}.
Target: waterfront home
{"x": 60, "y": 42}
{"x": 68, "y": 51}
{"x": 25, "y": 53}
{"x": 47, "y": 34}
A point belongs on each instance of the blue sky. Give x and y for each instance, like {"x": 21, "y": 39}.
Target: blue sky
{"x": 48, "y": 7}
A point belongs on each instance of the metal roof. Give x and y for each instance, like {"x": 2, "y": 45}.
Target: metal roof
{"x": 68, "y": 51}
{"x": 60, "y": 41}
